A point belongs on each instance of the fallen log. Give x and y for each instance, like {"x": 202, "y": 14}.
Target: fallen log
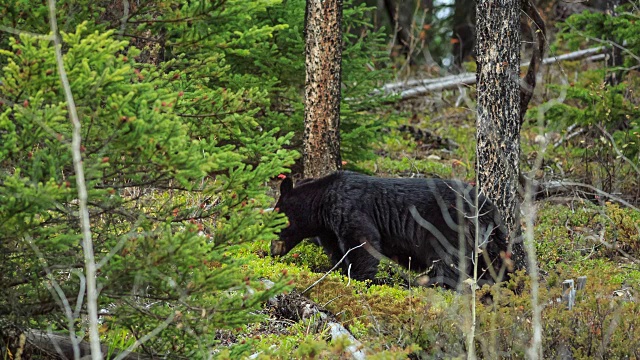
{"x": 63, "y": 346}
{"x": 39, "y": 344}
{"x": 416, "y": 87}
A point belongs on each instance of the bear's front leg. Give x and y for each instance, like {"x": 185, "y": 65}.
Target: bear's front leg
{"x": 365, "y": 259}
{"x": 332, "y": 248}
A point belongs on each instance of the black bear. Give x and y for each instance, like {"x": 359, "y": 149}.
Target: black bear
{"x": 412, "y": 221}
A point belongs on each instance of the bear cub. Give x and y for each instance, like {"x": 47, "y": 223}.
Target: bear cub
{"x": 425, "y": 224}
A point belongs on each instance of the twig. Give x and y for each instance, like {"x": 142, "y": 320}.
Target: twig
{"x": 54, "y": 288}
{"x": 615, "y": 147}
{"x": 536, "y": 349}
{"x": 125, "y": 17}
{"x": 20, "y": 32}
{"x": 87, "y": 244}
{"x": 569, "y": 136}
{"x": 333, "y": 268}
{"x": 471, "y": 345}
{"x": 599, "y": 192}
{"x": 608, "y": 42}
{"x": 124, "y": 354}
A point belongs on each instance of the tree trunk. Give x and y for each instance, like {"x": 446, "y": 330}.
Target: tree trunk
{"x": 463, "y": 30}
{"x": 323, "y": 61}
{"x": 498, "y": 128}
{"x": 615, "y": 58}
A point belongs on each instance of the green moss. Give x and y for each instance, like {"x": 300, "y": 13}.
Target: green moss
{"x": 430, "y": 168}
{"x": 566, "y": 236}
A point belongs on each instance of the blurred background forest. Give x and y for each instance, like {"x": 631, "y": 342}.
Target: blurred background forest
{"x": 190, "y": 111}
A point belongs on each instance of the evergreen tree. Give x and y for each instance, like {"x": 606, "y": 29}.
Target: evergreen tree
{"x": 170, "y": 197}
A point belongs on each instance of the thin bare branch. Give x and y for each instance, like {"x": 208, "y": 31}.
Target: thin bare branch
{"x": 87, "y": 244}
{"x": 125, "y": 17}
{"x": 615, "y": 147}
{"x": 333, "y": 268}
{"x": 54, "y": 288}
{"x": 20, "y": 32}
{"x": 147, "y": 337}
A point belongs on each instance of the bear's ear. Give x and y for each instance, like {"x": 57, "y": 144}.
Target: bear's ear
{"x": 286, "y": 185}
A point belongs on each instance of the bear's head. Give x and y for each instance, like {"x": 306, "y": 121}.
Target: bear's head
{"x": 292, "y": 203}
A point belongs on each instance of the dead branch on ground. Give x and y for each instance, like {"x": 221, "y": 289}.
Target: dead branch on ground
{"x": 417, "y": 87}
{"x": 296, "y": 307}
{"x": 47, "y": 345}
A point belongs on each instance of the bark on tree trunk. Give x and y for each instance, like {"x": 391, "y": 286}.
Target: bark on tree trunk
{"x": 498, "y": 128}
{"x": 323, "y": 61}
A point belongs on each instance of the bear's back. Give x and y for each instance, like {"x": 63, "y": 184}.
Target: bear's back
{"x": 422, "y": 193}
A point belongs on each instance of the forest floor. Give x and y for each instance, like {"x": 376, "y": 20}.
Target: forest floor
{"x": 576, "y": 233}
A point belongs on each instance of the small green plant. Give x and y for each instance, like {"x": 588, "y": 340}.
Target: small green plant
{"x": 607, "y": 111}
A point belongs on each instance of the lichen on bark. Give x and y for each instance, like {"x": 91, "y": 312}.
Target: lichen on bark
{"x": 498, "y": 124}
{"x": 323, "y": 62}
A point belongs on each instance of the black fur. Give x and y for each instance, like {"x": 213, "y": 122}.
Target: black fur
{"x": 413, "y": 221}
